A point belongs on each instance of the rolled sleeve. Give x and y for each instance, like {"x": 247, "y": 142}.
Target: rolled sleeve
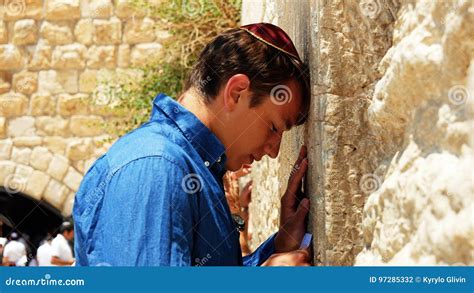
{"x": 262, "y": 253}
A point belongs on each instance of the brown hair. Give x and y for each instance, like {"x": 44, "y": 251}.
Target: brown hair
{"x": 236, "y": 51}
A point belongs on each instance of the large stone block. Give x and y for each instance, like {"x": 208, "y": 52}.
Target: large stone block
{"x": 79, "y": 149}
{"x": 25, "y": 32}
{"x": 107, "y": 32}
{"x": 73, "y": 179}
{"x": 58, "y": 167}
{"x": 55, "y": 193}
{"x": 56, "y": 33}
{"x": 57, "y": 82}
{"x": 21, "y": 155}
{"x": 20, "y": 9}
{"x": 27, "y": 141}
{"x": 6, "y": 146}
{"x": 73, "y": 104}
{"x": 86, "y": 125}
{"x": 7, "y": 169}
{"x": 25, "y": 82}
{"x": 36, "y": 184}
{"x": 84, "y": 31}
{"x": 42, "y": 104}
{"x": 2, "y": 127}
{"x": 41, "y": 56}
{"x": 143, "y": 54}
{"x": 101, "y": 57}
{"x": 97, "y": 8}
{"x": 11, "y": 58}
{"x": 23, "y": 126}
{"x": 56, "y": 144}
{"x": 123, "y": 56}
{"x": 62, "y": 9}
{"x": 47, "y": 125}
{"x": 139, "y": 31}
{"x": 69, "y": 57}
{"x": 125, "y": 9}
{"x": 12, "y": 105}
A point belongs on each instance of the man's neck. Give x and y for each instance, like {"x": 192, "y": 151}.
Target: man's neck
{"x": 195, "y": 103}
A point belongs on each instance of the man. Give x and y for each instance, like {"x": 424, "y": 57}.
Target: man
{"x": 44, "y": 253}
{"x": 14, "y": 251}
{"x": 61, "y": 252}
{"x": 157, "y": 197}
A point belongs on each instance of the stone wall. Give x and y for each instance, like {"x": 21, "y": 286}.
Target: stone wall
{"x": 53, "y": 54}
{"x": 390, "y": 131}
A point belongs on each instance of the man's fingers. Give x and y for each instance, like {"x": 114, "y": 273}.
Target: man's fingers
{"x": 297, "y": 175}
{"x": 302, "y": 210}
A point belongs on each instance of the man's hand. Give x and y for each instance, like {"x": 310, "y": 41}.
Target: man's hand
{"x": 293, "y": 258}
{"x": 294, "y": 208}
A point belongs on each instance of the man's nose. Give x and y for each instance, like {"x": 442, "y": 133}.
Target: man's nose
{"x": 273, "y": 148}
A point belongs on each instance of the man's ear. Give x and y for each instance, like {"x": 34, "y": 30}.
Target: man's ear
{"x": 235, "y": 91}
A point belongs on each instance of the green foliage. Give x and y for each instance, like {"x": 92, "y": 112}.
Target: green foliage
{"x": 191, "y": 24}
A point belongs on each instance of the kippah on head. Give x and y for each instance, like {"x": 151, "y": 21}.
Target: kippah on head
{"x": 274, "y": 36}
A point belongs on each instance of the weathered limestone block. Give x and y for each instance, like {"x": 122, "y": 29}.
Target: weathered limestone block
{"x": 73, "y": 179}
{"x": 6, "y": 146}
{"x": 21, "y": 155}
{"x": 40, "y": 158}
{"x": 139, "y": 31}
{"x": 86, "y": 125}
{"x": 142, "y": 54}
{"x": 125, "y": 9}
{"x": 7, "y": 168}
{"x": 69, "y": 57}
{"x": 84, "y": 31}
{"x": 56, "y": 33}
{"x": 55, "y": 193}
{"x": 42, "y": 104}
{"x": 123, "y": 56}
{"x": 58, "y": 82}
{"x": 107, "y": 32}
{"x": 58, "y": 167}
{"x": 97, "y": 8}
{"x": 27, "y": 141}
{"x": 62, "y": 9}
{"x": 25, "y": 32}
{"x": 73, "y": 104}
{"x": 25, "y": 82}
{"x": 41, "y": 56}
{"x": 56, "y": 144}
{"x": 47, "y": 125}
{"x": 23, "y": 126}
{"x": 11, "y": 58}
{"x": 79, "y": 149}
{"x": 88, "y": 81}
{"x": 3, "y": 33}
{"x": 37, "y": 184}
{"x": 68, "y": 204}
{"x": 19, "y": 9}
{"x": 13, "y": 104}
{"x": 19, "y": 180}
{"x": 101, "y": 57}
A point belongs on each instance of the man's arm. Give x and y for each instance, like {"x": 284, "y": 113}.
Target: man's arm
{"x": 59, "y": 262}
{"x": 145, "y": 217}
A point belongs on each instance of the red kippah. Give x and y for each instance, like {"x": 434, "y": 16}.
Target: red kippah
{"x": 274, "y": 36}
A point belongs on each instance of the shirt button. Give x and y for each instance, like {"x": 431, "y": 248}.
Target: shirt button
{"x": 219, "y": 160}
{"x": 207, "y": 163}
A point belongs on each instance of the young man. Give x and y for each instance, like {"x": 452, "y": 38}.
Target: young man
{"x": 157, "y": 198}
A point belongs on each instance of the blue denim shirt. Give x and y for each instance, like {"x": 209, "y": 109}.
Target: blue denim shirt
{"x": 157, "y": 198}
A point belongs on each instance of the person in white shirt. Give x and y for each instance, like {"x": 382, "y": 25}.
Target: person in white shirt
{"x": 14, "y": 251}
{"x": 43, "y": 254}
{"x": 61, "y": 252}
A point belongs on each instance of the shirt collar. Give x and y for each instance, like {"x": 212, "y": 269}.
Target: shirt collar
{"x": 209, "y": 147}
